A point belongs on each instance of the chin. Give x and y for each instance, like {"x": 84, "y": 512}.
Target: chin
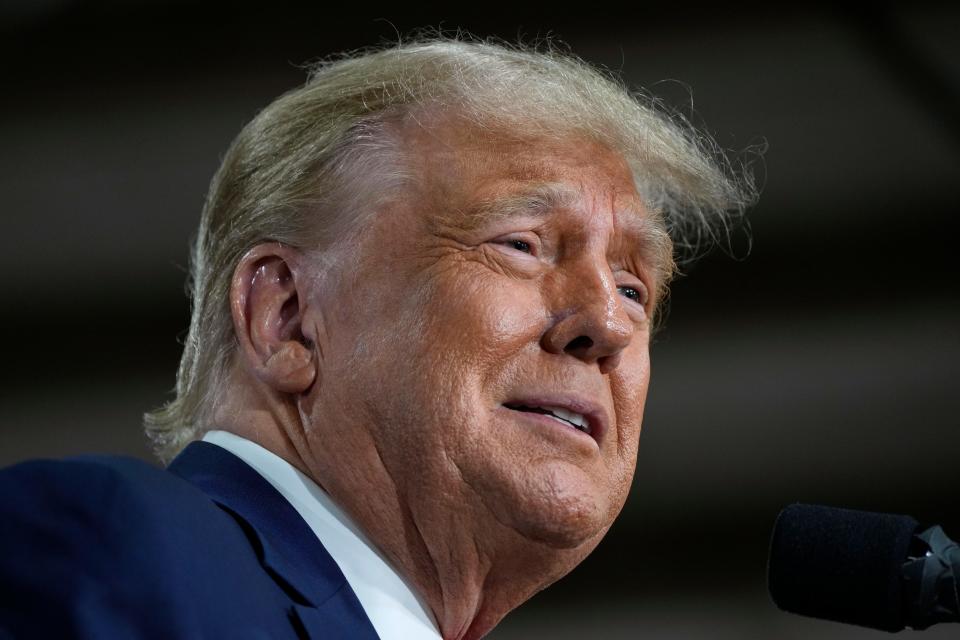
{"x": 571, "y": 534}
{"x": 565, "y": 512}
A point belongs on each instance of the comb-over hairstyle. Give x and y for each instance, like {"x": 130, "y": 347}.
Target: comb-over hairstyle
{"x": 300, "y": 172}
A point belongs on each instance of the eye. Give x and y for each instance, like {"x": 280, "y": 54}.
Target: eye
{"x": 520, "y": 245}
{"x": 634, "y": 294}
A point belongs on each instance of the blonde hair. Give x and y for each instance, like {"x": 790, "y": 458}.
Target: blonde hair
{"x": 295, "y": 173}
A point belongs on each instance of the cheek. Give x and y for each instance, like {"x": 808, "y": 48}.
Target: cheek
{"x": 480, "y": 321}
{"x": 631, "y": 381}
{"x": 628, "y": 387}
{"x": 448, "y": 342}
{"x": 471, "y": 333}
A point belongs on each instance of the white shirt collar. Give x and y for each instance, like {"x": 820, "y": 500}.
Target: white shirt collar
{"x": 391, "y": 604}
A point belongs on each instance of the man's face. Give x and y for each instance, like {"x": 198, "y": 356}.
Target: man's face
{"x": 512, "y": 281}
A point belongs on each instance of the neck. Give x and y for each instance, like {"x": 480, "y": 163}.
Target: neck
{"x": 470, "y": 577}
{"x": 249, "y": 412}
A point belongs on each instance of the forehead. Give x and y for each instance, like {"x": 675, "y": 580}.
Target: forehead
{"x": 460, "y": 176}
{"x": 473, "y": 173}
{"x": 470, "y": 177}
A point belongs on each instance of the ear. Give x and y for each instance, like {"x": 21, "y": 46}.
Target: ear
{"x": 267, "y": 313}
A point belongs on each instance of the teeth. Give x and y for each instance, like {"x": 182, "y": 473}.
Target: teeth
{"x": 575, "y": 419}
{"x": 570, "y": 418}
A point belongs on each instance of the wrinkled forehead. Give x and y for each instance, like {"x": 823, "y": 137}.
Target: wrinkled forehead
{"x": 470, "y": 170}
{"x": 468, "y": 176}
{"x": 448, "y": 147}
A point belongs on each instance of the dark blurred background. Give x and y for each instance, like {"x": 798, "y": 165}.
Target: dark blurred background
{"x": 822, "y": 368}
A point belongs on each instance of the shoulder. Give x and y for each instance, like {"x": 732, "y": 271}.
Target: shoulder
{"x": 108, "y": 542}
{"x": 116, "y": 497}
{"x": 74, "y": 478}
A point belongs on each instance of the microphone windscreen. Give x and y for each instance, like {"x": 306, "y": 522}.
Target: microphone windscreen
{"x": 840, "y": 564}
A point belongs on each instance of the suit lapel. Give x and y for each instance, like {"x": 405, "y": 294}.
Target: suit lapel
{"x": 324, "y": 604}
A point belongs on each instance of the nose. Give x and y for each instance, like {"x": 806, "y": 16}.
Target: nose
{"x": 592, "y": 324}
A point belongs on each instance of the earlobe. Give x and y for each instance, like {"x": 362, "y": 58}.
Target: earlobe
{"x": 291, "y": 369}
{"x": 267, "y": 314}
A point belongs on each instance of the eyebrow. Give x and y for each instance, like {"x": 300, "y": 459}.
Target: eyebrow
{"x": 653, "y": 239}
{"x": 543, "y": 199}
{"x": 537, "y": 202}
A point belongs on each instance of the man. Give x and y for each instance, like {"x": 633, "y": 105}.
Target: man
{"x": 424, "y": 286}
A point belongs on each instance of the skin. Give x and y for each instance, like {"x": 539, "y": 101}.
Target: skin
{"x": 384, "y": 377}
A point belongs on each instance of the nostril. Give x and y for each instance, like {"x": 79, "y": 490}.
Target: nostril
{"x": 579, "y": 344}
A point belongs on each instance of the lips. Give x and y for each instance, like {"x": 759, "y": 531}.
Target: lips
{"x": 575, "y": 413}
{"x": 575, "y": 420}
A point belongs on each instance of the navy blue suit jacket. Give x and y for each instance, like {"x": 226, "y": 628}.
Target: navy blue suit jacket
{"x": 109, "y": 547}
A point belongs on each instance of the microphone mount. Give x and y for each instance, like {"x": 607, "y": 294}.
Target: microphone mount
{"x": 930, "y": 578}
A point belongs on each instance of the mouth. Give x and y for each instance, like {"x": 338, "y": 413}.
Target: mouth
{"x": 571, "y": 414}
{"x": 562, "y": 416}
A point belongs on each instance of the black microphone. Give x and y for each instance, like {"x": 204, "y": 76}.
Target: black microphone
{"x": 875, "y": 570}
